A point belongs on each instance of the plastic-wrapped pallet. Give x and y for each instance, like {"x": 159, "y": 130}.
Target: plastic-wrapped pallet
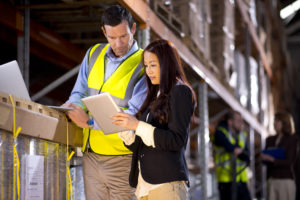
{"x": 77, "y": 180}
{"x": 42, "y": 168}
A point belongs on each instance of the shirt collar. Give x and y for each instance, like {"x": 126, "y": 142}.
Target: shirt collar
{"x": 111, "y": 56}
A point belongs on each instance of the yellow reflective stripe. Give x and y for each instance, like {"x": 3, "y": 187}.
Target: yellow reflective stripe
{"x": 223, "y": 130}
{"x": 92, "y": 50}
{"x": 96, "y": 76}
{"x": 227, "y": 134}
{"x": 242, "y": 139}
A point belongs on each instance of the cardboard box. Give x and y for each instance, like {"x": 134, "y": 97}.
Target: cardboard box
{"x": 38, "y": 121}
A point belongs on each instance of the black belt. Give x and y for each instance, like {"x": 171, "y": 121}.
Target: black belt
{"x": 89, "y": 150}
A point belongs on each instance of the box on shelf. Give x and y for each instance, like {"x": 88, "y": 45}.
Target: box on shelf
{"x": 222, "y": 36}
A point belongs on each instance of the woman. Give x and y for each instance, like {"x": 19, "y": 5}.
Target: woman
{"x": 159, "y": 169}
{"x": 280, "y": 173}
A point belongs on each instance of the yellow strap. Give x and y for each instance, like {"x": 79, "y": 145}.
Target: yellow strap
{"x": 68, "y": 177}
{"x": 16, "y": 161}
{"x": 45, "y": 150}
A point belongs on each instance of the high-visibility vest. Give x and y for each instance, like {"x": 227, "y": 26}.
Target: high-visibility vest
{"x": 120, "y": 85}
{"x": 224, "y": 160}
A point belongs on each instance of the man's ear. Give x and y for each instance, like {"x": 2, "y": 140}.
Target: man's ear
{"x": 133, "y": 28}
{"x": 103, "y": 30}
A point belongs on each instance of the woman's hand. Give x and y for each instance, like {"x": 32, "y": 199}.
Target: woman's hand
{"x": 125, "y": 120}
{"x": 267, "y": 157}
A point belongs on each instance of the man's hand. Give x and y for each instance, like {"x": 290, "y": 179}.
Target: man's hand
{"x": 237, "y": 151}
{"x": 77, "y": 115}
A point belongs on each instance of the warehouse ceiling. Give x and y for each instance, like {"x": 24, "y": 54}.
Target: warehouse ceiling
{"x": 77, "y": 21}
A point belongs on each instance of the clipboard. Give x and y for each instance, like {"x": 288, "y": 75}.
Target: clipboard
{"x": 61, "y": 108}
{"x": 277, "y": 153}
{"x": 102, "y": 107}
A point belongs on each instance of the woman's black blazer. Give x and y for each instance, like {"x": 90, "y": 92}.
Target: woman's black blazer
{"x": 166, "y": 162}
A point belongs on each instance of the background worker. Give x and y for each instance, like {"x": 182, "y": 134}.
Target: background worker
{"x": 231, "y": 158}
{"x": 115, "y": 68}
{"x": 280, "y": 172}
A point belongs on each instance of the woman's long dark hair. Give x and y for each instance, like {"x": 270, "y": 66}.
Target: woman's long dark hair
{"x": 171, "y": 72}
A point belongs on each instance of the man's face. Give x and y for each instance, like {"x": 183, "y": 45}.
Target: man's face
{"x": 120, "y": 37}
{"x": 236, "y": 123}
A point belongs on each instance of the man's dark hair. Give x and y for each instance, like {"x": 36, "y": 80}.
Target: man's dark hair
{"x": 230, "y": 114}
{"x": 114, "y": 15}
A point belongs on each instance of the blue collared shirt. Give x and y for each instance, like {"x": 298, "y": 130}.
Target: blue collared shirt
{"x": 111, "y": 64}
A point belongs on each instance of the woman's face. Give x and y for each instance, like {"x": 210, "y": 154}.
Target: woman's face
{"x": 152, "y": 67}
{"x": 278, "y": 125}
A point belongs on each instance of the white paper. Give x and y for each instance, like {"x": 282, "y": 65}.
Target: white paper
{"x": 33, "y": 171}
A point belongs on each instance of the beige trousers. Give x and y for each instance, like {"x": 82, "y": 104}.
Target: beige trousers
{"x": 281, "y": 189}
{"x": 106, "y": 177}
{"x": 176, "y": 190}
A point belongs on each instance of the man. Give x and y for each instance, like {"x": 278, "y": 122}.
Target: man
{"x": 115, "y": 68}
{"x": 231, "y": 158}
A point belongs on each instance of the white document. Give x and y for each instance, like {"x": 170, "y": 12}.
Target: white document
{"x": 33, "y": 174}
{"x": 61, "y": 108}
{"x": 103, "y": 107}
